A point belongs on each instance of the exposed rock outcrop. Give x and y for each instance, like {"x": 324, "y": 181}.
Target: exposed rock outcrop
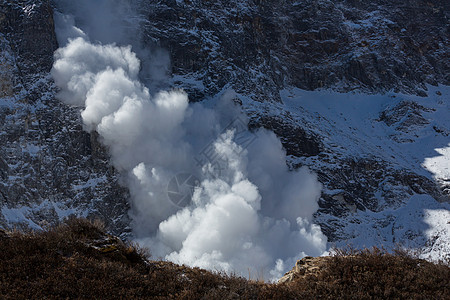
{"x": 307, "y": 266}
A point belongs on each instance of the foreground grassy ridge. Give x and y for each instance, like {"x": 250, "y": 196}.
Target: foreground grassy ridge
{"x": 78, "y": 260}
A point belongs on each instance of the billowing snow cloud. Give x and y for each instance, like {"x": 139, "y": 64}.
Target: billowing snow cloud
{"x": 246, "y": 210}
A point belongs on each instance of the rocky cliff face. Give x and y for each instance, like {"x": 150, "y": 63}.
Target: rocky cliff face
{"x": 49, "y": 167}
{"x": 264, "y": 50}
{"x": 259, "y": 47}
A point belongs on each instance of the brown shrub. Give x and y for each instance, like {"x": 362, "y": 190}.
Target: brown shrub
{"x": 377, "y": 274}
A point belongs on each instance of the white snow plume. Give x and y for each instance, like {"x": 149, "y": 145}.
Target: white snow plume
{"x": 113, "y": 22}
{"x": 248, "y": 211}
{"x": 65, "y": 28}
{"x": 105, "y": 21}
{"x": 143, "y": 134}
{"x": 226, "y": 228}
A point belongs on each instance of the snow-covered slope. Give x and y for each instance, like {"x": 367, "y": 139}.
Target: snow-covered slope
{"x": 401, "y": 141}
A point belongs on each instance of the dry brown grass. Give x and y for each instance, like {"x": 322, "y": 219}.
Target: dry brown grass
{"x": 78, "y": 260}
{"x": 377, "y": 274}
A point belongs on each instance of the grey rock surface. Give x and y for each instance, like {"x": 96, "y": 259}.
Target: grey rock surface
{"x": 49, "y": 167}
{"x": 259, "y": 47}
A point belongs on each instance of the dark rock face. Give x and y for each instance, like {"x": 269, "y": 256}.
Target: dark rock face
{"x": 295, "y": 140}
{"x": 355, "y": 185}
{"x": 28, "y": 26}
{"x": 259, "y": 47}
{"x": 49, "y": 167}
{"x": 405, "y": 116}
